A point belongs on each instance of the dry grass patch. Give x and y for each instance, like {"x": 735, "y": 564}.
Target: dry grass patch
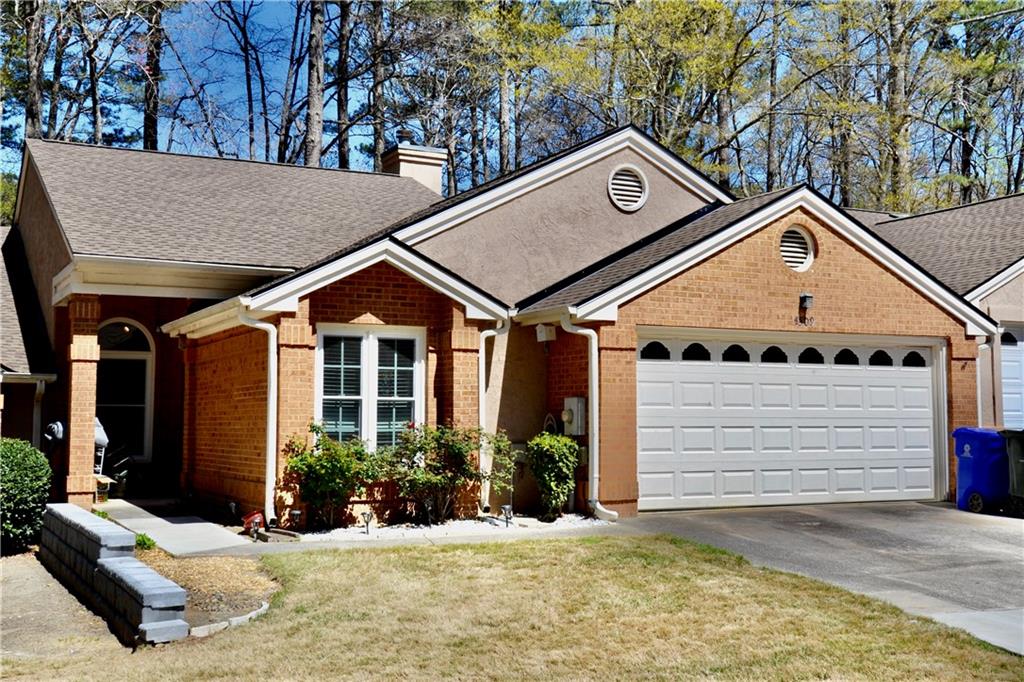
{"x": 605, "y": 607}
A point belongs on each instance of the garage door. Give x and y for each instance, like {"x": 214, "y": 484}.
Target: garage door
{"x": 1012, "y": 351}
{"x": 722, "y": 423}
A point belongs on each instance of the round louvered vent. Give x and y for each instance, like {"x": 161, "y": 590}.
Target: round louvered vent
{"x": 796, "y": 249}
{"x": 627, "y": 188}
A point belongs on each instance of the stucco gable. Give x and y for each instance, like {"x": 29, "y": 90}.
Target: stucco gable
{"x": 518, "y": 247}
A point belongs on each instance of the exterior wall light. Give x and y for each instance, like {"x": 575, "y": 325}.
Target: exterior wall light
{"x": 806, "y": 301}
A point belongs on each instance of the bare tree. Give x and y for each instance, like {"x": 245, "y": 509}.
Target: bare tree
{"x": 315, "y": 85}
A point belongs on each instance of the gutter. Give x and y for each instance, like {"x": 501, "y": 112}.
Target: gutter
{"x": 593, "y": 406}
{"x": 500, "y": 329}
{"x": 270, "y": 471}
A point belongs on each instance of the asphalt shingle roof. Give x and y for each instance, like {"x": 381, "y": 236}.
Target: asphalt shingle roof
{"x": 145, "y": 204}
{"x": 870, "y": 218}
{"x": 24, "y": 344}
{"x": 965, "y": 246}
{"x": 647, "y": 253}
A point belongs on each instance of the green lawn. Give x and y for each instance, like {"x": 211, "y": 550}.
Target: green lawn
{"x": 605, "y": 607}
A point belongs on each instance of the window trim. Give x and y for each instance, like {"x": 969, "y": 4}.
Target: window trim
{"x": 149, "y": 357}
{"x": 370, "y": 333}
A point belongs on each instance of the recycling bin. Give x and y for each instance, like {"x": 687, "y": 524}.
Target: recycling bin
{"x": 982, "y": 469}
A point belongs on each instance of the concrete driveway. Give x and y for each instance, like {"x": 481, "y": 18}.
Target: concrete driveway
{"x": 965, "y": 570}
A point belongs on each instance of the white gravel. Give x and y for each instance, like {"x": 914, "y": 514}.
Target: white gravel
{"x": 482, "y": 526}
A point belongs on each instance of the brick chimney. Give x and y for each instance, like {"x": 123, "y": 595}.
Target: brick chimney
{"x": 422, "y": 164}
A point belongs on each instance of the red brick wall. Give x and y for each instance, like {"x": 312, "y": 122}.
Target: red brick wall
{"x": 227, "y": 404}
{"x": 747, "y": 286}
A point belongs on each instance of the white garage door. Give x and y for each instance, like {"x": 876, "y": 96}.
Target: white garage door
{"x": 722, "y": 423}
{"x": 1013, "y": 377}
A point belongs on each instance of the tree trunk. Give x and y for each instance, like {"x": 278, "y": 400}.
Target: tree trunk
{"x": 315, "y": 85}
{"x": 474, "y": 146}
{"x": 771, "y": 154}
{"x": 33, "y": 23}
{"x": 151, "y": 104}
{"x": 62, "y": 35}
{"x": 897, "y": 108}
{"x": 844, "y": 137}
{"x": 723, "y": 113}
{"x": 341, "y": 75}
{"x": 377, "y": 87}
{"x": 504, "y": 124}
{"x": 287, "y": 114}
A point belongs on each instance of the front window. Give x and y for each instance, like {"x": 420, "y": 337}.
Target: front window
{"x": 370, "y": 382}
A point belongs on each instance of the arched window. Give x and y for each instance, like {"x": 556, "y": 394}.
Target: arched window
{"x": 913, "y": 359}
{"x": 736, "y": 353}
{"x": 880, "y": 359}
{"x": 655, "y": 350}
{"x": 811, "y": 356}
{"x": 696, "y": 351}
{"x": 774, "y": 354}
{"x": 846, "y": 357}
{"x": 124, "y": 388}
{"x": 1008, "y": 339}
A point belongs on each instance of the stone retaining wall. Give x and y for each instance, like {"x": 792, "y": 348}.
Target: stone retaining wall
{"x": 96, "y": 560}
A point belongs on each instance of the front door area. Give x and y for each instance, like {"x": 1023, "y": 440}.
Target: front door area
{"x": 124, "y": 391}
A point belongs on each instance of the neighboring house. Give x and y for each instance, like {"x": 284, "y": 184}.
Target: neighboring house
{"x": 978, "y": 251}
{"x": 769, "y": 350}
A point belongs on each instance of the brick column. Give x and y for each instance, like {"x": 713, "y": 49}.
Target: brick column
{"x": 296, "y": 354}
{"x": 83, "y": 354}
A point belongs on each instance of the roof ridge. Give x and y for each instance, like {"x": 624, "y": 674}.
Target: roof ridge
{"x": 205, "y": 157}
{"x": 953, "y": 208}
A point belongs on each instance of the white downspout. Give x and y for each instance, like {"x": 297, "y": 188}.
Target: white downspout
{"x": 37, "y": 413}
{"x": 593, "y": 379}
{"x": 499, "y": 329}
{"x": 270, "y": 472}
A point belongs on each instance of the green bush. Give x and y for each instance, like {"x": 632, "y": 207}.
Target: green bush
{"x": 553, "y": 459}
{"x": 143, "y": 541}
{"x": 24, "y": 487}
{"x": 329, "y": 473}
{"x": 432, "y": 465}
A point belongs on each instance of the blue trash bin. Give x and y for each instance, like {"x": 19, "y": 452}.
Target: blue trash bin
{"x": 982, "y": 469}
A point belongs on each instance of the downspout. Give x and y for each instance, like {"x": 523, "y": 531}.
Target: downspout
{"x": 270, "y": 472}
{"x": 500, "y": 329}
{"x": 593, "y": 379}
{"x": 37, "y": 413}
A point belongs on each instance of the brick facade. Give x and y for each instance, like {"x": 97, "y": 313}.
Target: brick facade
{"x": 83, "y": 355}
{"x": 748, "y": 287}
{"x": 225, "y": 383}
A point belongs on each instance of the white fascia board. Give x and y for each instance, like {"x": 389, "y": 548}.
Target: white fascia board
{"x": 990, "y": 286}
{"x": 216, "y": 318}
{"x": 285, "y": 296}
{"x": 508, "y": 191}
{"x": 599, "y": 307}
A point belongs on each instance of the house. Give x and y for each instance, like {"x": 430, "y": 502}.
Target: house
{"x": 708, "y": 350}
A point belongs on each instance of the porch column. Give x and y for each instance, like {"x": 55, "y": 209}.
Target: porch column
{"x": 83, "y": 355}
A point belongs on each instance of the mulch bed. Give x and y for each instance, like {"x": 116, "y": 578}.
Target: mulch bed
{"x": 218, "y": 587}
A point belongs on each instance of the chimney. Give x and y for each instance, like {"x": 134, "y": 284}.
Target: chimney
{"x": 422, "y": 164}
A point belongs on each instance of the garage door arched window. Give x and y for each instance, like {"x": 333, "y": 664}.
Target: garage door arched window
{"x": 697, "y": 352}
{"x": 846, "y": 357}
{"x": 655, "y": 350}
{"x": 775, "y": 355}
{"x": 1008, "y": 339}
{"x": 811, "y": 356}
{"x": 735, "y": 353}
{"x": 880, "y": 359}
{"x": 913, "y": 359}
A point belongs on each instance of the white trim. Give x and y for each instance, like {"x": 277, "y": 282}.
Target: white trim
{"x": 284, "y": 297}
{"x": 270, "y": 433}
{"x": 507, "y": 191}
{"x": 604, "y": 307}
{"x": 370, "y": 334}
{"x": 991, "y": 285}
{"x": 149, "y": 357}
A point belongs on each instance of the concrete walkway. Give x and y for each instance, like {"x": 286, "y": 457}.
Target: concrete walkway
{"x": 964, "y": 570}
{"x": 177, "y": 535}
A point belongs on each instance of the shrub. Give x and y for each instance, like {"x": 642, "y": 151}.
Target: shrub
{"x": 553, "y": 459}
{"x": 329, "y": 473}
{"x": 143, "y": 541}
{"x": 102, "y": 514}
{"x": 24, "y": 487}
{"x": 432, "y": 465}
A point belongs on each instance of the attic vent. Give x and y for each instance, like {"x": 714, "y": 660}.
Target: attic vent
{"x": 627, "y": 188}
{"x": 796, "y": 249}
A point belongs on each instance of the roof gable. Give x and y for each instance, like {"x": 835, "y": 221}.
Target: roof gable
{"x": 597, "y": 296}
